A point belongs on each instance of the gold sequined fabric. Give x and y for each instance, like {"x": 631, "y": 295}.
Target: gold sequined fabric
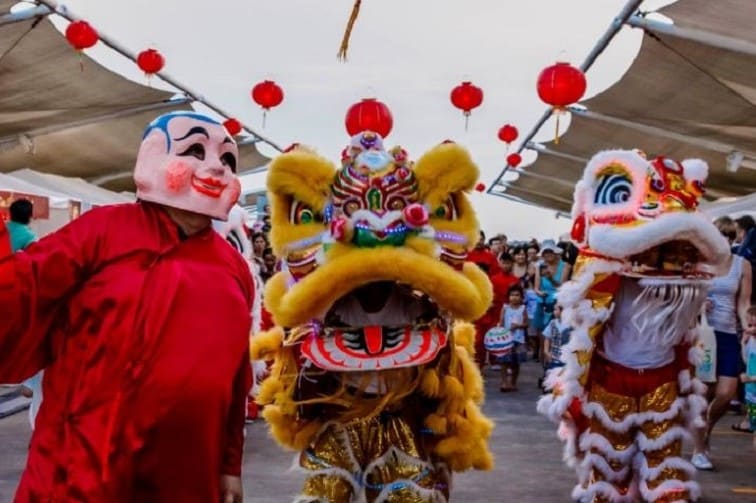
{"x": 384, "y": 458}
{"x": 619, "y": 408}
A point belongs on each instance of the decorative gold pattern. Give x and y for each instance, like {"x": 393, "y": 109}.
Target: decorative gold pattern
{"x": 616, "y": 406}
{"x": 377, "y": 453}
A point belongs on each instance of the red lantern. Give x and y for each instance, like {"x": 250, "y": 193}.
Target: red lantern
{"x": 561, "y": 85}
{"x": 480, "y": 187}
{"x": 466, "y": 96}
{"x": 150, "y": 61}
{"x": 267, "y": 94}
{"x": 514, "y": 159}
{"x": 369, "y": 115}
{"x": 233, "y": 126}
{"x": 508, "y": 133}
{"x": 81, "y": 35}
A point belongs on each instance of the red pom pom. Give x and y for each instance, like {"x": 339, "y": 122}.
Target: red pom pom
{"x": 578, "y": 229}
{"x": 480, "y": 187}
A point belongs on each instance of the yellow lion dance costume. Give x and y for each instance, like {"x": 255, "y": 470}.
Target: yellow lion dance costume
{"x": 626, "y": 397}
{"x": 373, "y": 379}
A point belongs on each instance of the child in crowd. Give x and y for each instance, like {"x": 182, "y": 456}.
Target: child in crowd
{"x": 515, "y": 318}
{"x": 531, "y": 305}
{"x": 749, "y": 376}
{"x": 556, "y": 334}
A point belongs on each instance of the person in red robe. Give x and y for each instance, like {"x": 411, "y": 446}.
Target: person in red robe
{"x": 140, "y": 315}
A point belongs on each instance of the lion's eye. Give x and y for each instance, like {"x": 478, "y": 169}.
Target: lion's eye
{"x": 613, "y": 189}
{"x": 447, "y": 211}
{"x": 303, "y": 214}
{"x": 396, "y": 204}
{"x": 350, "y": 207}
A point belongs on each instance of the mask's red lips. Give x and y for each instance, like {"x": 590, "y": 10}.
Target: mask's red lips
{"x": 208, "y": 186}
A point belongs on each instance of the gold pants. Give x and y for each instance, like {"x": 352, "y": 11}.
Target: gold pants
{"x": 632, "y": 449}
{"x": 381, "y": 459}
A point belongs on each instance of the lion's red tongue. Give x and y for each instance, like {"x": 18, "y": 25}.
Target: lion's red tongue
{"x": 373, "y": 339}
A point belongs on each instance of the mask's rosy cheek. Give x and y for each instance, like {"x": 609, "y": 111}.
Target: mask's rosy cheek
{"x": 234, "y": 190}
{"x": 178, "y": 175}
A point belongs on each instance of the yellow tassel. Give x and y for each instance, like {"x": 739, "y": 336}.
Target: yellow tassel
{"x": 430, "y": 384}
{"x": 342, "y": 54}
{"x": 264, "y": 345}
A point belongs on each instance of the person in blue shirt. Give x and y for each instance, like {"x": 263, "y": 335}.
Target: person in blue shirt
{"x": 21, "y": 235}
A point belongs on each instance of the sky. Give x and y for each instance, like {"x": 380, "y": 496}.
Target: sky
{"x": 408, "y": 54}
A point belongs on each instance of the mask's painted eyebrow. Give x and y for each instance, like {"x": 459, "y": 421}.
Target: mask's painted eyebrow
{"x": 194, "y": 130}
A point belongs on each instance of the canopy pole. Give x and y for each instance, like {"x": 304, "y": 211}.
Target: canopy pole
{"x": 695, "y": 35}
{"x": 63, "y": 11}
{"x": 25, "y": 15}
{"x": 616, "y": 25}
{"x": 549, "y": 151}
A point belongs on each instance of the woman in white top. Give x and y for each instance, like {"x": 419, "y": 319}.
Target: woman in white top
{"x": 727, "y": 304}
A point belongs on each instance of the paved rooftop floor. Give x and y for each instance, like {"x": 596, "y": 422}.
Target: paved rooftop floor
{"x": 528, "y": 457}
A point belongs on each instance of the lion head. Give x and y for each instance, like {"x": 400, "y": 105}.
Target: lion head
{"x": 373, "y": 253}
{"x": 645, "y": 214}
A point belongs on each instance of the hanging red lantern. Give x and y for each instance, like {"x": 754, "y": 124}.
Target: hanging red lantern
{"x": 267, "y": 94}
{"x": 466, "y": 96}
{"x": 81, "y": 35}
{"x": 369, "y": 115}
{"x": 508, "y": 133}
{"x": 514, "y": 159}
{"x": 561, "y": 85}
{"x": 480, "y": 187}
{"x": 233, "y": 126}
{"x": 150, "y": 61}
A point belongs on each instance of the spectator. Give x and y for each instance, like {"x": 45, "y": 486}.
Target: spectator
{"x": 532, "y": 250}
{"x": 495, "y": 246}
{"x": 514, "y": 318}
{"x": 269, "y": 261}
{"x": 749, "y": 376}
{"x": 549, "y": 276}
{"x": 259, "y": 244}
{"x": 20, "y": 233}
{"x": 521, "y": 268}
{"x": 729, "y": 298}
{"x": 745, "y": 235}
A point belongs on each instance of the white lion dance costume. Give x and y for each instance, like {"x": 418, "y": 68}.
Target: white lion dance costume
{"x": 373, "y": 380}
{"x": 626, "y": 398}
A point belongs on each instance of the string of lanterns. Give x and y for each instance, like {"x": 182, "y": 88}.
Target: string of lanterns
{"x": 559, "y": 85}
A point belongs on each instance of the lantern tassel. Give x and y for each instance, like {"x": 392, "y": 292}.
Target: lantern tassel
{"x": 467, "y": 119}
{"x": 81, "y": 62}
{"x": 556, "y": 133}
{"x": 265, "y": 111}
{"x": 342, "y": 54}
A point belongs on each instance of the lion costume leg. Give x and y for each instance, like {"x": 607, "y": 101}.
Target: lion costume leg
{"x": 665, "y": 476}
{"x": 608, "y": 448}
{"x": 379, "y": 459}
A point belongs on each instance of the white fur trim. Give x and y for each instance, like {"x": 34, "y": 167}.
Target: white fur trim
{"x": 597, "y": 411}
{"x": 597, "y": 462}
{"x": 695, "y": 169}
{"x": 647, "y": 473}
{"x": 590, "y": 440}
{"x": 670, "y": 485}
{"x": 603, "y": 488}
{"x": 622, "y": 242}
{"x": 674, "y": 433}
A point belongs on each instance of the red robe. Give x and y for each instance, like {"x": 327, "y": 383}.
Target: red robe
{"x": 144, "y": 339}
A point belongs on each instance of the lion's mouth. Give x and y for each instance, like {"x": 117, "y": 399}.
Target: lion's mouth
{"x": 378, "y": 326}
{"x": 677, "y": 258}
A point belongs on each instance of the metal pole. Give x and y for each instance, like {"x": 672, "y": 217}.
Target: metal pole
{"x": 25, "y": 15}
{"x": 550, "y": 151}
{"x": 695, "y": 35}
{"x": 64, "y": 12}
{"x": 616, "y": 25}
